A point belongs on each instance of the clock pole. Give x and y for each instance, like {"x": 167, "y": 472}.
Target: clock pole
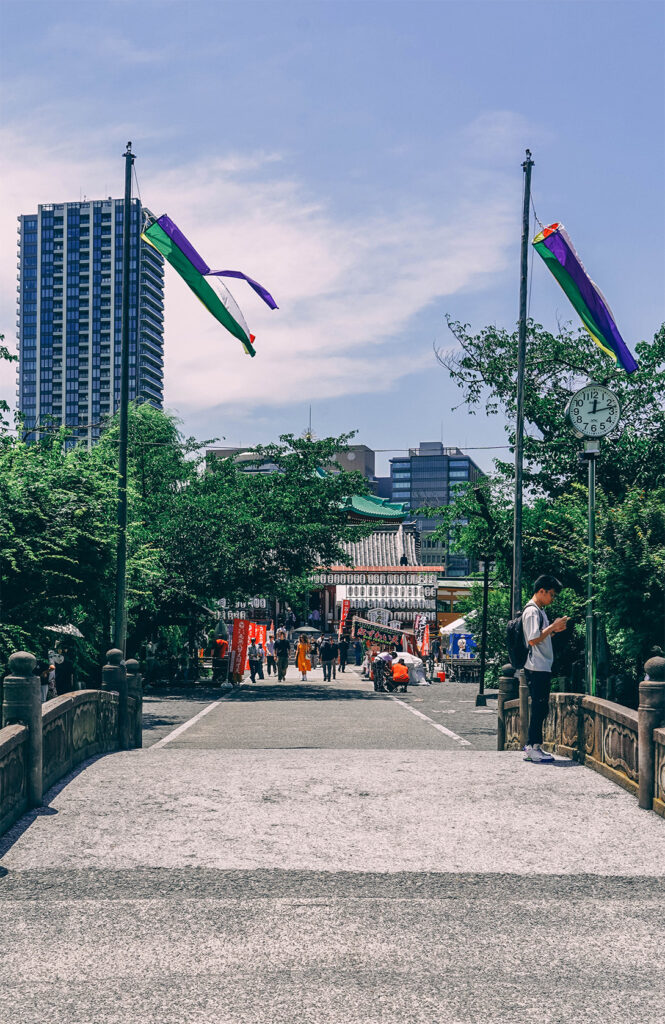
{"x": 591, "y": 451}
{"x": 592, "y": 423}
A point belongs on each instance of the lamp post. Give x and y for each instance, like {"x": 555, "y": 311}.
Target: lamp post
{"x": 481, "y": 699}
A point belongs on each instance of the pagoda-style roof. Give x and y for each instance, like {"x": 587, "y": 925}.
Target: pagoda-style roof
{"x": 369, "y": 506}
{"x": 384, "y": 547}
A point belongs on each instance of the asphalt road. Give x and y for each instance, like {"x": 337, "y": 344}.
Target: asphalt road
{"x": 286, "y": 854}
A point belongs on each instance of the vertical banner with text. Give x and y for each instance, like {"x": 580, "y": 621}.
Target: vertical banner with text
{"x": 239, "y": 644}
{"x": 346, "y": 605}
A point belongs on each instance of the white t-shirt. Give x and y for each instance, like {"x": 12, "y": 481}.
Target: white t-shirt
{"x": 541, "y": 656}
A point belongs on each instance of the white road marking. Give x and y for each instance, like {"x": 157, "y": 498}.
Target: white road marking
{"x": 185, "y": 725}
{"x": 441, "y": 728}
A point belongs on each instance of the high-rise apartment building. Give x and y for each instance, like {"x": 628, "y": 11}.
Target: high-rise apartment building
{"x": 70, "y": 316}
{"x": 427, "y": 477}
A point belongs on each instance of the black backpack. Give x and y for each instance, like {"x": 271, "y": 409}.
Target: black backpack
{"x": 518, "y": 648}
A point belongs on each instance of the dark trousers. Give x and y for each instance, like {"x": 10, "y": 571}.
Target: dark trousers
{"x": 270, "y": 664}
{"x": 539, "y": 689}
{"x": 342, "y": 662}
{"x": 282, "y": 666}
{"x": 253, "y": 669}
{"x": 329, "y": 671}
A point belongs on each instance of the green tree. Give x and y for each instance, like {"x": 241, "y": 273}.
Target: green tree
{"x": 484, "y": 368}
{"x": 630, "y": 494}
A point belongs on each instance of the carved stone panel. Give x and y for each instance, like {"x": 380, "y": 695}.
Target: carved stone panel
{"x": 512, "y": 718}
{"x": 620, "y": 748}
{"x": 590, "y": 735}
{"x": 84, "y": 725}
{"x": 659, "y": 772}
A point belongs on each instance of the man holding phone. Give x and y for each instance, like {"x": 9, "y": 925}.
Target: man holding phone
{"x": 538, "y": 668}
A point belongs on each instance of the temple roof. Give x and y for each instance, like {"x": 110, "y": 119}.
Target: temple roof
{"x": 384, "y": 548}
{"x": 369, "y": 506}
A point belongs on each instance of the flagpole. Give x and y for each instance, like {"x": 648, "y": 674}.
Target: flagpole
{"x": 516, "y": 598}
{"x": 120, "y": 623}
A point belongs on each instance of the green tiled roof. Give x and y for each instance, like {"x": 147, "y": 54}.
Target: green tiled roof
{"x": 371, "y": 507}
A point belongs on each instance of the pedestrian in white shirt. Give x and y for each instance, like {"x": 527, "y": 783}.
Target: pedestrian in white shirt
{"x": 538, "y": 668}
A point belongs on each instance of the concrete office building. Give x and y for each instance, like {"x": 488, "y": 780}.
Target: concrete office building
{"x": 70, "y": 316}
{"x": 427, "y": 476}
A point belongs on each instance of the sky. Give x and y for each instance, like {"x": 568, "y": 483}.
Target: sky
{"x": 363, "y": 162}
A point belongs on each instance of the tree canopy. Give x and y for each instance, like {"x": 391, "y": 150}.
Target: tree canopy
{"x": 630, "y": 514}
{"x": 199, "y": 529}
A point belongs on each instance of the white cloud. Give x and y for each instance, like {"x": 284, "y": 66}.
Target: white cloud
{"x": 348, "y": 288}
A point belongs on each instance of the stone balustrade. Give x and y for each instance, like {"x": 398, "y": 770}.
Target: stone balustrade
{"x": 40, "y": 743}
{"x": 625, "y": 746}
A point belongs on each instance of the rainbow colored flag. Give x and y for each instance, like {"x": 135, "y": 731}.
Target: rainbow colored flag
{"x": 167, "y": 238}
{"x": 558, "y": 252}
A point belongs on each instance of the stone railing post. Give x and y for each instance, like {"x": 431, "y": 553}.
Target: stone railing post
{"x": 524, "y": 708}
{"x": 135, "y": 690}
{"x": 22, "y": 705}
{"x": 650, "y": 716}
{"x": 507, "y": 691}
{"x": 114, "y": 678}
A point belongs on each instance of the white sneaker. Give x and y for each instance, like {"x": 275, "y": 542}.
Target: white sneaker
{"x": 544, "y": 754}
{"x": 533, "y": 754}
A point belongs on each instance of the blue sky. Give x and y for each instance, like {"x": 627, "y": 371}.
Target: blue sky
{"x": 362, "y": 160}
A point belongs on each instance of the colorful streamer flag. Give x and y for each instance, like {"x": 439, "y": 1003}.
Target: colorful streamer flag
{"x": 556, "y": 248}
{"x": 167, "y": 238}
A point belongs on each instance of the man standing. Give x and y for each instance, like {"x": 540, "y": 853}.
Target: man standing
{"x": 253, "y": 656}
{"x": 282, "y": 648}
{"x": 270, "y": 656}
{"x": 343, "y": 652}
{"x": 538, "y": 668}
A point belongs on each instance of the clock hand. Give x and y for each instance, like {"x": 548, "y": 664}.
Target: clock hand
{"x": 606, "y": 409}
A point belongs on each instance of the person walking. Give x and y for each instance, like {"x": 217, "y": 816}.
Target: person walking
{"x": 326, "y": 658}
{"x": 358, "y": 651}
{"x": 343, "y": 652}
{"x": 271, "y": 666}
{"x": 334, "y": 651}
{"x": 538, "y": 668}
{"x": 253, "y": 657}
{"x": 262, "y": 658}
{"x": 64, "y": 673}
{"x": 282, "y": 650}
{"x": 302, "y": 658}
{"x": 42, "y": 670}
{"x": 314, "y": 653}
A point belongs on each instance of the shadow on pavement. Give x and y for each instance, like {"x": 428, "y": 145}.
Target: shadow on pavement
{"x": 14, "y": 833}
{"x": 301, "y": 691}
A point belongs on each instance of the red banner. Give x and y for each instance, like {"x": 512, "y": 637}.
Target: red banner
{"x": 239, "y": 645}
{"x": 258, "y": 635}
{"x": 425, "y": 647}
{"x": 346, "y": 604}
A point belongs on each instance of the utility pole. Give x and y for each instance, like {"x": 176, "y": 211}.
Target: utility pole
{"x": 120, "y": 623}
{"x": 516, "y": 597}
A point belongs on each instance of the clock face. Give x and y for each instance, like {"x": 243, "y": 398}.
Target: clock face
{"x": 594, "y": 411}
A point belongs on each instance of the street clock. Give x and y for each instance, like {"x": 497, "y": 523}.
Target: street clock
{"x": 593, "y": 412}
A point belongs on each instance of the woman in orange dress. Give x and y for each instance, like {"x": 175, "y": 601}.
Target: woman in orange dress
{"x": 302, "y": 657}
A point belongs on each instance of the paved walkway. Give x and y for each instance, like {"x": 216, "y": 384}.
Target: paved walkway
{"x": 326, "y": 855}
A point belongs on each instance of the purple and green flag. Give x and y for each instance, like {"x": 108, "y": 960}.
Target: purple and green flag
{"x": 556, "y": 248}
{"x": 168, "y": 239}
